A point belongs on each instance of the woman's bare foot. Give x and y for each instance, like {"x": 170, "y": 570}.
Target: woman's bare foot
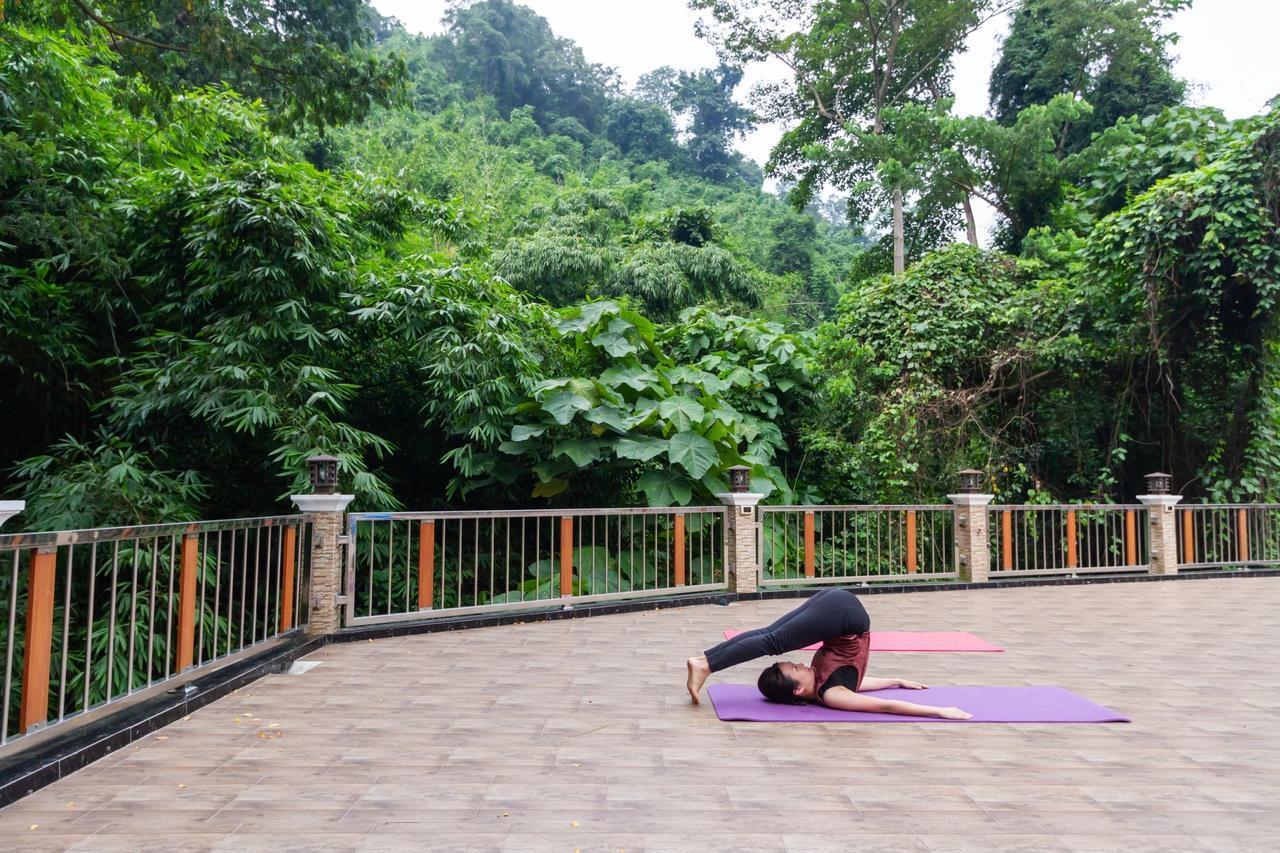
{"x": 699, "y": 670}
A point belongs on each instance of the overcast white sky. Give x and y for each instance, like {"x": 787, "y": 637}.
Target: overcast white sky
{"x": 1227, "y": 48}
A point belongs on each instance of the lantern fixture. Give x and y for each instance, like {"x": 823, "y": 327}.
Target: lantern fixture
{"x": 324, "y": 474}
{"x": 970, "y": 481}
{"x": 1158, "y": 483}
{"x": 739, "y": 478}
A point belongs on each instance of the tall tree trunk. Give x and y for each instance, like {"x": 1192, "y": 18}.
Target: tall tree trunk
{"x": 899, "y": 243}
{"x": 970, "y": 226}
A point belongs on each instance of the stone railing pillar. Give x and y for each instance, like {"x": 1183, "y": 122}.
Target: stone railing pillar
{"x": 326, "y": 513}
{"x": 969, "y": 520}
{"x": 742, "y": 533}
{"x": 328, "y": 522}
{"x": 8, "y": 509}
{"x": 1162, "y": 525}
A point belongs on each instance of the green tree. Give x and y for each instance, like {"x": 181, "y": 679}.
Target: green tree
{"x": 1111, "y": 53}
{"x": 506, "y": 50}
{"x": 704, "y": 100}
{"x": 641, "y": 130}
{"x": 850, "y": 61}
{"x": 311, "y": 60}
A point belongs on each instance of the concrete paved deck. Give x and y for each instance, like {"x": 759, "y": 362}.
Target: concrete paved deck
{"x": 578, "y": 735}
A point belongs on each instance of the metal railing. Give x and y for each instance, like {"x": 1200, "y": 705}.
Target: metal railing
{"x": 831, "y": 544}
{"x": 1067, "y": 538}
{"x": 1219, "y": 535}
{"x": 411, "y": 565}
{"x": 96, "y": 617}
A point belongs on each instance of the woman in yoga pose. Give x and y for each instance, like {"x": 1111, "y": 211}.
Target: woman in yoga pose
{"x": 837, "y": 676}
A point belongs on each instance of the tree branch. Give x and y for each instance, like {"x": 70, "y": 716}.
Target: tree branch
{"x": 999, "y": 10}
{"x": 127, "y": 36}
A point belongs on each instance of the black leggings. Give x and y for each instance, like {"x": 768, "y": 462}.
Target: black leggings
{"x": 830, "y": 613}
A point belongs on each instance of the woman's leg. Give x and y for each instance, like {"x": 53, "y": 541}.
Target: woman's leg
{"x": 829, "y": 613}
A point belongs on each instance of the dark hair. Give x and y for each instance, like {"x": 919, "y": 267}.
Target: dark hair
{"x": 777, "y": 687}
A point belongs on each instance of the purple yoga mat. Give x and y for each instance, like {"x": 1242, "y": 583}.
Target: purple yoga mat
{"x": 1039, "y": 704}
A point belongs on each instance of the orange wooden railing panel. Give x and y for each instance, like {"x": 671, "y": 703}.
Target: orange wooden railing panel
{"x": 1188, "y": 538}
{"x": 39, "y": 644}
{"x": 911, "y": 541}
{"x": 808, "y": 544}
{"x": 1073, "y": 558}
{"x": 426, "y": 564}
{"x": 1242, "y": 534}
{"x": 1130, "y": 538}
{"x": 1006, "y": 540}
{"x": 286, "y": 578}
{"x": 566, "y": 555}
{"x": 187, "y": 603}
{"x": 679, "y": 546}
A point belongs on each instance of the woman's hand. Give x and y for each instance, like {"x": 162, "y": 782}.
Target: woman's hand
{"x": 910, "y": 685}
{"x": 954, "y": 714}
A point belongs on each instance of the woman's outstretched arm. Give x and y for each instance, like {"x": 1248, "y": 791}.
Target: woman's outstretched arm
{"x": 844, "y": 699}
{"x": 869, "y": 683}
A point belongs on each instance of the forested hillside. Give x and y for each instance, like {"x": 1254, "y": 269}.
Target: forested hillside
{"x": 484, "y": 272}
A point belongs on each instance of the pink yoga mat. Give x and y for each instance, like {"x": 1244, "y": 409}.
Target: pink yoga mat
{"x": 1039, "y": 704}
{"x": 916, "y": 641}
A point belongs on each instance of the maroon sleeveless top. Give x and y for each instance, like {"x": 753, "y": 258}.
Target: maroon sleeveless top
{"x": 849, "y": 650}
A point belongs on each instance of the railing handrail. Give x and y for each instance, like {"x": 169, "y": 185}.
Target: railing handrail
{"x": 1091, "y": 506}
{"x": 141, "y": 531}
{"x": 422, "y": 515}
{"x": 853, "y": 507}
{"x": 1226, "y": 506}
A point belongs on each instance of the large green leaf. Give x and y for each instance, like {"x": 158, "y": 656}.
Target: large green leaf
{"x": 615, "y": 339}
{"x": 582, "y": 451}
{"x": 551, "y": 469}
{"x": 643, "y": 448}
{"x": 708, "y": 383}
{"x": 633, "y": 376}
{"x": 610, "y": 416}
{"x": 550, "y": 489}
{"x": 693, "y": 453}
{"x": 587, "y": 316}
{"x": 666, "y": 488}
{"x": 524, "y": 432}
{"x": 515, "y": 448}
{"x": 684, "y": 412}
{"x": 562, "y": 405}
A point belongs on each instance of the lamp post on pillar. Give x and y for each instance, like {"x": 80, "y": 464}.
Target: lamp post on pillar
{"x": 324, "y": 509}
{"x": 973, "y": 550}
{"x": 8, "y": 509}
{"x": 1162, "y": 524}
{"x": 741, "y": 557}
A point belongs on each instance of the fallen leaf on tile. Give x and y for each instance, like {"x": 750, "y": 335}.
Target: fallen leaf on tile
{"x": 71, "y": 804}
{"x": 237, "y": 719}
{"x": 182, "y": 785}
{"x": 35, "y": 826}
{"x": 573, "y": 823}
{"x": 162, "y": 737}
{"x": 274, "y": 726}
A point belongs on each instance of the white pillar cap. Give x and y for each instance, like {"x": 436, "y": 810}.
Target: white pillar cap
{"x": 8, "y": 509}
{"x": 740, "y": 498}
{"x": 1159, "y": 500}
{"x": 971, "y": 499}
{"x": 322, "y": 503}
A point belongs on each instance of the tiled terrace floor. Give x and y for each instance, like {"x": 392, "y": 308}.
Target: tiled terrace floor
{"x": 578, "y": 735}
